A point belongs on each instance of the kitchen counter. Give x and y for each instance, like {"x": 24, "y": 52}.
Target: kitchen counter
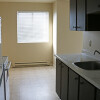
{"x": 92, "y": 76}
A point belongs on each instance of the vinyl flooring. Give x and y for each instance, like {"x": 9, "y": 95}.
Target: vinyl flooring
{"x": 32, "y": 83}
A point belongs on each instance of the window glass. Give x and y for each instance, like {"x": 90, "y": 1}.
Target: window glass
{"x": 32, "y": 27}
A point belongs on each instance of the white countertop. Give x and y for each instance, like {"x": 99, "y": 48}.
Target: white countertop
{"x": 92, "y": 76}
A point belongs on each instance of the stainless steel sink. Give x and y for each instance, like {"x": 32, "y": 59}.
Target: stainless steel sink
{"x": 89, "y": 65}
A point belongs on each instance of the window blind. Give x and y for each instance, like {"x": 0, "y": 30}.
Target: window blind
{"x": 32, "y": 27}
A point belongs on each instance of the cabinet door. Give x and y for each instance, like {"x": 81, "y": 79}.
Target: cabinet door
{"x": 98, "y": 5}
{"x": 98, "y": 94}
{"x": 72, "y": 14}
{"x": 73, "y": 85}
{"x": 81, "y": 15}
{"x": 58, "y": 77}
{"x": 64, "y": 82}
{"x": 86, "y": 91}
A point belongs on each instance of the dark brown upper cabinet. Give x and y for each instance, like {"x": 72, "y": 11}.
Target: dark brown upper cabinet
{"x": 93, "y": 6}
{"x": 73, "y": 16}
{"x": 85, "y": 15}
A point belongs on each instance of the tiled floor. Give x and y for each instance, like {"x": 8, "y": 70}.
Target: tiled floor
{"x": 33, "y": 83}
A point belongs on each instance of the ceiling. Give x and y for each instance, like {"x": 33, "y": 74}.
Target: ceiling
{"x": 45, "y": 1}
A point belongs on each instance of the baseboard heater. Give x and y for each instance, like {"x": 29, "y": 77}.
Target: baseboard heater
{"x": 31, "y": 64}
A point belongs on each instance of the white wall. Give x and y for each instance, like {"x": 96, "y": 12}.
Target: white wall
{"x": 54, "y": 31}
{"x": 67, "y": 41}
{"x": 26, "y": 52}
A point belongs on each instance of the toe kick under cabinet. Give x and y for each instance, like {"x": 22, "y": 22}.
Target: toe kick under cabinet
{"x": 71, "y": 86}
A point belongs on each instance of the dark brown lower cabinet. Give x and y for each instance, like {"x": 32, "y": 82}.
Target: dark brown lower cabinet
{"x": 98, "y": 94}
{"x": 73, "y": 85}
{"x": 64, "y": 82}
{"x": 58, "y": 77}
{"x": 86, "y": 90}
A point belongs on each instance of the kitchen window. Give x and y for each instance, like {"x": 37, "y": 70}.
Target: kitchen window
{"x": 32, "y": 27}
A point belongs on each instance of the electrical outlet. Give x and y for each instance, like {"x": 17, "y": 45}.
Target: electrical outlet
{"x": 90, "y": 43}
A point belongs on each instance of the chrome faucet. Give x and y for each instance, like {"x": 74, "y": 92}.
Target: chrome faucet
{"x": 96, "y": 51}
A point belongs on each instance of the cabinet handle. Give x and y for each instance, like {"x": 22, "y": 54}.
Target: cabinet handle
{"x": 81, "y": 83}
{"x": 78, "y": 27}
{"x": 76, "y": 78}
{"x": 74, "y": 26}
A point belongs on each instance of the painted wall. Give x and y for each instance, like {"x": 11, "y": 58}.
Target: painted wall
{"x": 67, "y": 41}
{"x": 55, "y": 27}
{"x": 94, "y": 37}
{"x": 27, "y": 52}
{"x": 54, "y": 32}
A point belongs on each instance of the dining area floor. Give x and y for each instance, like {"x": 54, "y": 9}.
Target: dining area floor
{"x": 33, "y": 83}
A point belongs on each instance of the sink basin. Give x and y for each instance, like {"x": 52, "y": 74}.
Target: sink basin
{"x": 89, "y": 65}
